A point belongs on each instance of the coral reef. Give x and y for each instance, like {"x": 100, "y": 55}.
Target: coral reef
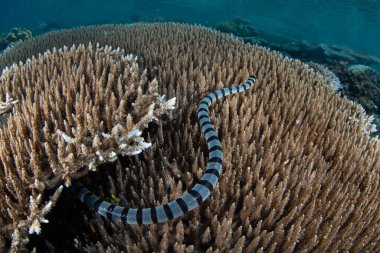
{"x": 301, "y": 172}
{"x": 15, "y": 35}
{"x": 364, "y": 83}
{"x": 361, "y": 83}
{"x": 239, "y": 26}
{"x": 311, "y": 51}
{"x": 48, "y": 26}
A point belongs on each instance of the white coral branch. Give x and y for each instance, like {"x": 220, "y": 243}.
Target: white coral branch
{"x": 65, "y": 137}
{"x": 7, "y": 105}
{"x": 97, "y": 150}
{"x": 170, "y": 104}
{"x": 39, "y": 212}
{"x": 366, "y": 121}
{"x": 368, "y": 126}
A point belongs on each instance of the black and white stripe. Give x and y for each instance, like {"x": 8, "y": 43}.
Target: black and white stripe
{"x": 189, "y": 200}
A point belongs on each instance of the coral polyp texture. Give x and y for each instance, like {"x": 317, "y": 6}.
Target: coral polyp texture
{"x": 301, "y": 172}
{"x": 70, "y": 110}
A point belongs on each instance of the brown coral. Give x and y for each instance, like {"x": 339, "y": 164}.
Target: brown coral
{"x": 301, "y": 172}
{"x": 68, "y": 111}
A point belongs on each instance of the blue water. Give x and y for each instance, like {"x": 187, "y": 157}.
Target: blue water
{"x": 354, "y": 23}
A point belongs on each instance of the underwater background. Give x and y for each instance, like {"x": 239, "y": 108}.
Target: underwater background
{"x": 344, "y": 22}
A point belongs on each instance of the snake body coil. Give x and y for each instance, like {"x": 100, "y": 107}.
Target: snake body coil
{"x": 190, "y": 199}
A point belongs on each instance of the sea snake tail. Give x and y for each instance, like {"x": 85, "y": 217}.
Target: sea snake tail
{"x": 189, "y": 200}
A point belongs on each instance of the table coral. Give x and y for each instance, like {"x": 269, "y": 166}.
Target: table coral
{"x": 301, "y": 170}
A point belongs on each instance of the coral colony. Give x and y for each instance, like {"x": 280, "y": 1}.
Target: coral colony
{"x": 300, "y": 168}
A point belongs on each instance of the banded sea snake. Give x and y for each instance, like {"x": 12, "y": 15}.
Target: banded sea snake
{"x": 190, "y": 199}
